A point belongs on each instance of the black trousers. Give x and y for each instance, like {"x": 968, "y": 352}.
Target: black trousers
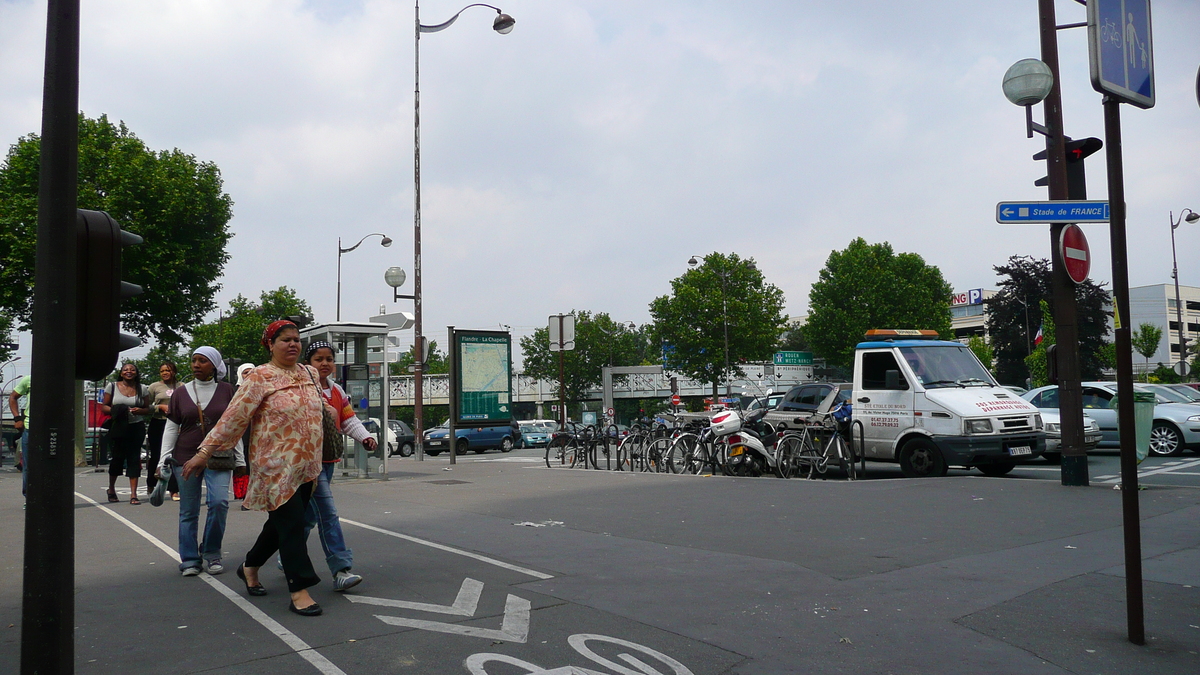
{"x": 127, "y": 451}
{"x": 284, "y": 532}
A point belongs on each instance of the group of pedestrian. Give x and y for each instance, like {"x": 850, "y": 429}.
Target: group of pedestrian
{"x": 280, "y": 407}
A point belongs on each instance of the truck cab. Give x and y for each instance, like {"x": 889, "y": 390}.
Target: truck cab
{"x": 929, "y": 404}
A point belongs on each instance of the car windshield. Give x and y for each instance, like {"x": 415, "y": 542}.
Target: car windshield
{"x": 531, "y": 429}
{"x": 1170, "y": 394}
{"x": 946, "y": 366}
{"x": 1186, "y": 391}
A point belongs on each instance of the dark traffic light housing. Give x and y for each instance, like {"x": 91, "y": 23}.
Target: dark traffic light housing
{"x": 99, "y": 291}
{"x": 1077, "y": 151}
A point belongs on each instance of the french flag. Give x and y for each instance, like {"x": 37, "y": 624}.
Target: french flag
{"x": 1037, "y": 339}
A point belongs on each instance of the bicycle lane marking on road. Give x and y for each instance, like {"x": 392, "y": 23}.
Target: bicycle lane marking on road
{"x": 300, "y": 647}
{"x": 450, "y": 549}
{"x": 1161, "y": 470}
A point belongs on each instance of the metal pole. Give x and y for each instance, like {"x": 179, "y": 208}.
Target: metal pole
{"x": 385, "y": 398}
{"x": 419, "y": 346}
{"x": 339, "y": 283}
{"x": 48, "y": 597}
{"x": 1070, "y": 392}
{"x": 451, "y": 434}
{"x": 562, "y": 378}
{"x": 1131, "y": 518}
{"x": 1175, "y": 275}
{"x": 725, "y": 321}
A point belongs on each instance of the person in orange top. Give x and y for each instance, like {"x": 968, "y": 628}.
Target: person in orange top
{"x": 280, "y": 398}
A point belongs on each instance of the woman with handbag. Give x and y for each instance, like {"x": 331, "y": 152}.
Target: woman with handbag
{"x": 288, "y": 419}
{"x": 191, "y": 412}
{"x": 128, "y": 401}
{"x": 321, "y": 513}
{"x": 160, "y": 394}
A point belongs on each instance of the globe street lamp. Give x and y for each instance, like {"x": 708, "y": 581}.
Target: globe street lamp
{"x": 503, "y": 24}
{"x": 385, "y": 243}
{"x": 1191, "y": 217}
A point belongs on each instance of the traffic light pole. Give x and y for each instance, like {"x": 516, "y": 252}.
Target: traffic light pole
{"x": 48, "y": 598}
{"x": 1070, "y": 392}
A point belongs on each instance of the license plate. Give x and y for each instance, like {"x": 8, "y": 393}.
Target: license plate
{"x": 437, "y": 442}
{"x": 1020, "y": 450}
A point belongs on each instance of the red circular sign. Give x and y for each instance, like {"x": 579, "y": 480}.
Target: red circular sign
{"x": 674, "y": 399}
{"x": 1075, "y": 254}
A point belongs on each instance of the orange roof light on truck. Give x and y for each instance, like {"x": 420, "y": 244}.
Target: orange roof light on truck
{"x": 881, "y": 334}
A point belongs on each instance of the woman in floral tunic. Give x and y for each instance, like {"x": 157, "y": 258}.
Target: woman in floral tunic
{"x": 282, "y": 401}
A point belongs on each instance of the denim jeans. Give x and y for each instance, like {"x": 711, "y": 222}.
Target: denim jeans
{"x": 24, "y": 461}
{"x": 322, "y": 514}
{"x": 216, "y": 483}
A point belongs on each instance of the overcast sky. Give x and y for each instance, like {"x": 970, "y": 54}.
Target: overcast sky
{"x": 579, "y": 161}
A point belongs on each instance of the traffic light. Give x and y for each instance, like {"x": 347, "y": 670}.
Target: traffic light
{"x": 98, "y": 339}
{"x": 1077, "y": 151}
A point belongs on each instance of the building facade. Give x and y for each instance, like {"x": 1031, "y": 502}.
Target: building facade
{"x": 1155, "y": 305}
{"x": 968, "y": 316}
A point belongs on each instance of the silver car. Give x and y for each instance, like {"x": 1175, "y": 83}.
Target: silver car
{"x": 1053, "y": 429}
{"x": 1176, "y": 425}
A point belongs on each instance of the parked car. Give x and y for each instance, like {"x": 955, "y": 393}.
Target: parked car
{"x": 1176, "y": 425}
{"x": 405, "y": 441}
{"x": 770, "y": 401}
{"x": 479, "y": 439}
{"x": 1168, "y": 394}
{"x": 806, "y": 398}
{"x": 1053, "y": 428}
{"x": 371, "y": 424}
{"x": 1189, "y": 392}
{"x": 533, "y": 435}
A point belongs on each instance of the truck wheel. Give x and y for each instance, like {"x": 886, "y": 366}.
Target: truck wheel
{"x": 1165, "y": 440}
{"x": 920, "y": 458}
{"x": 997, "y": 469}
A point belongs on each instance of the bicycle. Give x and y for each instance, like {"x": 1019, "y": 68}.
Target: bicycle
{"x": 564, "y": 449}
{"x": 808, "y": 461}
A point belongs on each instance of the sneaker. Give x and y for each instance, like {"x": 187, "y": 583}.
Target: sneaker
{"x": 345, "y": 579}
{"x": 213, "y": 567}
{"x": 191, "y": 572}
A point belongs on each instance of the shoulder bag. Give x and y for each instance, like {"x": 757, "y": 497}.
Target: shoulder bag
{"x": 333, "y": 445}
{"x": 219, "y": 460}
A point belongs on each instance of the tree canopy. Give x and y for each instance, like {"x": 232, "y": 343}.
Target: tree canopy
{"x": 599, "y": 341}
{"x": 6, "y": 337}
{"x": 870, "y": 286}
{"x": 1145, "y": 340}
{"x": 237, "y": 331}
{"x": 1024, "y": 283}
{"x": 724, "y": 291}
{"x": 174, "y": 202}
{"x": 437, "y": 363}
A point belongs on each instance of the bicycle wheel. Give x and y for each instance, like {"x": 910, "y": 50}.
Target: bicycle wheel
{"x": 656, "y": 455}
{"x": 623, "y": 452}
{"x": 851, "y": 459}
{"x": 785, "y": 456}
{"x": 554, "y": 451}
{"x": 807, "y": 457}
{"x": 837, "y": 445}
{"x": 681, "y": 457}
{"x": 573, "y": 453}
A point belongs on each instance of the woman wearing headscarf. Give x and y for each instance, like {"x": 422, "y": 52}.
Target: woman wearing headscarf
{"x": 160, "y": 393}
{"x": 193, "y": 410}
{"x": 281, "y": 400}
{"x": 321, "y": 513}
{"x": 128, "y": 402}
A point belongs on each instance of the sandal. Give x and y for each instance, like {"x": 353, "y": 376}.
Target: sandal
{"x": 112, "y": 496}
{"x": 133, "y": 501}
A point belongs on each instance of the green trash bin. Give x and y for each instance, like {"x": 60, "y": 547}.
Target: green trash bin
{"x": 1143, "y": 420}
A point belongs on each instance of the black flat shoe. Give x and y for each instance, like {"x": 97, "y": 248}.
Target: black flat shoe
{"x": 312, "y": 610}
{"x": 257, "y": 589}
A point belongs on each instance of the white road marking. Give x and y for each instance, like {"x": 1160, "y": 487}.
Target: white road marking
{"x": 464, "y": 605}
{"x": 1161, "y": 469}
{"x": 450, "y": 549}
{"x": 513, "y": 628}
{"x": 322, "y": 664}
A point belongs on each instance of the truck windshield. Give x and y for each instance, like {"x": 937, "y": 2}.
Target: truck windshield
{"x": 946, "y": 366}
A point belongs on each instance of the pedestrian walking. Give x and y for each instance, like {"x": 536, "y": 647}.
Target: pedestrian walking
{"x": 21, "y": 425}
{"x": 128, "y": 402}
{"x": 193, "y": 410}
{"x": 160, "y": 394}
{"x": 286, "y": 411}
{"x": 321, "y": 512}
{"x": 241, "y": 480}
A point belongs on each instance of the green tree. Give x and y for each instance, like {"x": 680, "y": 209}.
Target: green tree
{"x": 237, "y": 331}
{"x": 870, "y": 286}
{"x": 793, "y": 340}
{"x": 1013, "y": 318}
{"x": 174, "y": 202}
{"x": 983, "y": 350}
{"x": 437, "y": 363}
{"x": 1035, "y": 363}
{"x": 1108, "y": 355}
{"x": 723, "y": 295}
{"x": 6, "y": 337}
{"x": 149, "y": 364}
{"x": 1145, "y": 341}
{"x": 599, "y": 341}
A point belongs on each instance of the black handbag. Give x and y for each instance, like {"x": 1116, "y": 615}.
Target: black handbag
{"x": 332, "y": 444}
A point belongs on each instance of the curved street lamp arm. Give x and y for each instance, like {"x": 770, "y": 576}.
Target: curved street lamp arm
{"x": 447, "y": 24}
{"x": 360, "y": 241}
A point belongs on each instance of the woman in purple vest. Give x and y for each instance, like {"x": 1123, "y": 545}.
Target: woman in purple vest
{"x": 192, "y": 412}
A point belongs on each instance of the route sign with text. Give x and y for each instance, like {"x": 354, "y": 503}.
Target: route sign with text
{"x": 1018, "y": 213}
{"x": 1120, "y": 50}
{"x": 793, "y": 359}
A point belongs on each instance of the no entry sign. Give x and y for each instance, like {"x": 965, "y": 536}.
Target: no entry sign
{"x": 675, "y": 400}
{"x": 1076, "y": 255}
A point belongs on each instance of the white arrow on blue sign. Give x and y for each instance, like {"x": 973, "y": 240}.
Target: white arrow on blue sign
{"x": 1018, "y": 213}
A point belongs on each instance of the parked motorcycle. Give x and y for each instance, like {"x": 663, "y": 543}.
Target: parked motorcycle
{"x": 752, "y": 444}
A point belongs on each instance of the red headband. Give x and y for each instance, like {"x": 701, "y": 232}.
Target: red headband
{"x": 273, "y": 330}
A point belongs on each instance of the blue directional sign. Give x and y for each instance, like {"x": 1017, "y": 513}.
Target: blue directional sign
{"x": 1019, "y": 213}
{"x": 1120, "y": 50}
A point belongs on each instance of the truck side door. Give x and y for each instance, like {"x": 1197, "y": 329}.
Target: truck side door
{"x": 883, "y": 403}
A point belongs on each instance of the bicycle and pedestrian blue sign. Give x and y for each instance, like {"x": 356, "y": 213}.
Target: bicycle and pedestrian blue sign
{"x": 1019, "y": 213}
{"x": 1120, "y": 50}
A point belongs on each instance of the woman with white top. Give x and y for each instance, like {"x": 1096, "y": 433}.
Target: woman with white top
{"x": 131, "y": 399}
{"x": 193, "y": 410}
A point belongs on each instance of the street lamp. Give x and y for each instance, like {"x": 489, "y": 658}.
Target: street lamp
{"x": 385, "y": 243}
{"x": 503, "y": 24}
{"x": 1026, "y": 83}
{"x": 1191, "y": 217}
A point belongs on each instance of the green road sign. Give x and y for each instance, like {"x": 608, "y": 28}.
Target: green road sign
{"x": 483, "y": 377}
{"x": 793, "y": 358}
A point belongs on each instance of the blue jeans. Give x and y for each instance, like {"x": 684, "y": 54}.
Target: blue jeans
{"x": 216, "y": 483}
{"x": 24, "y": 461}
{"x": 322, "y": 514}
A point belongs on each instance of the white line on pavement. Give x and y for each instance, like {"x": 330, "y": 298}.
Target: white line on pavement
{"x": 450, "y": 549}
{"x": 1166, "y": 469}
{"x": 322, "y": 664}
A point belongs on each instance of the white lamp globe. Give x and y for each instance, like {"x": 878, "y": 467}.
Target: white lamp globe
{"x": 395, "y": 276}
{"x": 1027, "y": 82}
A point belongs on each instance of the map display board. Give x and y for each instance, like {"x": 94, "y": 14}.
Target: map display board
{"x": 483, "y": 381}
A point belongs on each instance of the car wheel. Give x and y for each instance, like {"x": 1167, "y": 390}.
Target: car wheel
{"x": 997, "y": 469}
{"x": 460, "y": 448}
{"x": 391, "y": 450}
{"x": 406, "y": 449}
{"x": 920, "y": 458}
{"x": 506, "y": 444}
{"x": 1165, "y": 440}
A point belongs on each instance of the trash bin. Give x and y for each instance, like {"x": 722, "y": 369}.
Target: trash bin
{"x": 1143, "y": 421}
